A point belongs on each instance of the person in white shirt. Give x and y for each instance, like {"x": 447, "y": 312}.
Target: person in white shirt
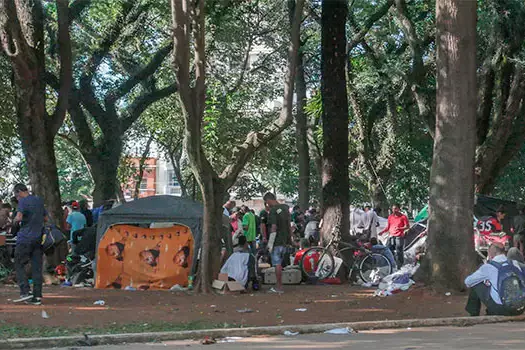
{"x": 484, "y": 284}
{"x": 240, "y": 266}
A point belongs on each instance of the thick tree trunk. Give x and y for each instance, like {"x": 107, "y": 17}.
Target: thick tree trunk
{"x": 451, "y": 251}
{"x": 104, "y": 168}
{"x": 335, "y": 121}
{"x": 302, "y": 136}
{"x": 379, "y": 199}
{"x": 38, "y": 146}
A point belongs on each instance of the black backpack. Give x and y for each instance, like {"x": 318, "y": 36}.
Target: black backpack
{"x": 511, "y": 285}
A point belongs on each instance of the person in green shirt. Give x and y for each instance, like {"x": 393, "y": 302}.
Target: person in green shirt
{"x": 248, "y": 226}
{"x": 280, "y": 228}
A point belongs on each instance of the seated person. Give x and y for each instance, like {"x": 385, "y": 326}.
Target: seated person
{"x": 311, "y": 231}
{"x": 499, "y": 285}
{"x": 240, "y": 266}
{"x": 379, "y": 248}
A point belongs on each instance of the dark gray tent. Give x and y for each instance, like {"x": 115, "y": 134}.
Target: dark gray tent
{"x": 156, "y": 209}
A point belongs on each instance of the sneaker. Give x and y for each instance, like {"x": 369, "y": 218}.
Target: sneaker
{"x": 34, "y": 301}
{"x": 23, "y": 297}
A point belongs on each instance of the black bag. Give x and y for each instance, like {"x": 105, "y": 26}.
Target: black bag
{"x": 51, "y": 237}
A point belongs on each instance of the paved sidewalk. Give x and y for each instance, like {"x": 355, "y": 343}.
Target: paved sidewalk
{"x": 483, "y": 337}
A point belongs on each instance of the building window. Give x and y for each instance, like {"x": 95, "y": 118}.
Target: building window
{"x": 144, "y": 184}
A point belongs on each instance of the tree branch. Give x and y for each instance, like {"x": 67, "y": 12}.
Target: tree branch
{"x": 141, "y": 103}
{"x": 66, "y": 66}
{"x": 76, "y": 8}
{"x": 374, "y": 17}
{"x": 128, "y": 15}
{"x": 140, "y": 75}
{"x": 256, "y": 140}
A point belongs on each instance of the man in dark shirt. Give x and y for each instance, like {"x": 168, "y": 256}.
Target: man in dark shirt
{"x": 31, "y": 214}
{"x": 280, "y": 235}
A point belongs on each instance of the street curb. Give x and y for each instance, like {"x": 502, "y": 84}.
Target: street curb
{"x": 107, "y": 339}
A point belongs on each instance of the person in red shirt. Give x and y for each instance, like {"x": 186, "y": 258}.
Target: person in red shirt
{"x": 396, "y": 226}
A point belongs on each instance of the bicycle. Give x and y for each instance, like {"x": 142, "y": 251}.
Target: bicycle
{"x": 319, "y": 262}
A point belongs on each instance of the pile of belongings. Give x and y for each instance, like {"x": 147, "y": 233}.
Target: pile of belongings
{"x": 397, "y": 281}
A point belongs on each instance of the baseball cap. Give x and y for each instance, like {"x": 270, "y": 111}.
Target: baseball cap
{"x": 75, "y": 205}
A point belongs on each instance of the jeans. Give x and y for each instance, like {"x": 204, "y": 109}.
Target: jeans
{"x": 25, "y": 252}
{"x": 480, "y": 294}
{"x": 397, "y": 245}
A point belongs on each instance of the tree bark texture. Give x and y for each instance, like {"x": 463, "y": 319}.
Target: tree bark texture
{"x": 22, "y": 37}
{"x": 301, "y": 134}
{"x": 451, "y": 250}
{"x": 142, "y": 168}
{"x": 335, "y": 121}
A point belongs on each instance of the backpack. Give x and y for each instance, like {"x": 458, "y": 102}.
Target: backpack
{"x": 511, "y": 285}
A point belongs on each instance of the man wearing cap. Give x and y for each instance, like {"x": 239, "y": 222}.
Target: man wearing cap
{"x": 75, "y": 220}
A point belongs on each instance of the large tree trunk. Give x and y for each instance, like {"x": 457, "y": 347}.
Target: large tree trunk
{"x": 104, "y": 168}
{"x": 302, "y": 137}
{"x": 335, "y": 121}
{"x": 22, "y": 39}
{"x": 451, "y": 251}
{"x": 379, "y": 199}
{"x": 38, "y": 145}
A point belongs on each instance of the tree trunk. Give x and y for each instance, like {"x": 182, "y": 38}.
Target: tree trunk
{"x": 38, "y": 146}
{"x": 104, "y": 168}
{"x": 22, "y": 39}
{"x": 335, "y": 121}
{"x": 302, "y": 136}
{"x": 178, "y": 174}
{"x": 213, "y": 193}
{"x": 379, "y": 199}
{"x": 451, "y": 251}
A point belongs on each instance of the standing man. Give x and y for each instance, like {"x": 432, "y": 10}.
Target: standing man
{"x": 396, "y": 226}
{"x": 31, "y": 214}
{"x": 265, "y": 227}
{"x": 518, "y": 228}
{"x": 280, "y": 228}
{"x": 370, "y": 220}
{"x": 248, "y": 226}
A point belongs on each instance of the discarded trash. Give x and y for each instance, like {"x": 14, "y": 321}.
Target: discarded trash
{"x": 213, "y": 306}
{"x": 99, "y": 302}
{"x": 301, "y": 310}
{"x": 208, "y": 341}
{"x": 409, "y": 328}
{"x": 368, "y": 284}
{"x": 67, "y": 284}
{"x": 44, "y": 314}
{"x": 178, "y": 288}
{"x": 346, "y": 330}
{"x": 290, "y": 334}
{"x": 130, "y": 288}
{"x": 245, "y": 311}
{"x": 230, "y": 339}
{"x": 448, "y": 294}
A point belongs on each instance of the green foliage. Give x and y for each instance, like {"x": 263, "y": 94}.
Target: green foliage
{"x": 73, "y": 175}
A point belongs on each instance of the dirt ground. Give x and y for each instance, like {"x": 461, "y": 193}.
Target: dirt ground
{"x": 73, "y": 308}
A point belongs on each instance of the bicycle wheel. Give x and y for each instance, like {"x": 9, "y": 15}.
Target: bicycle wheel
{"x": 317, "y": 262}
{"x": 374, "y": 267}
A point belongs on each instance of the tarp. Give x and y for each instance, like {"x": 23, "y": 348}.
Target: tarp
{"x": 144, "y": 211}
{"x": 483, "y": 206}
{"x": 144, "y": 258}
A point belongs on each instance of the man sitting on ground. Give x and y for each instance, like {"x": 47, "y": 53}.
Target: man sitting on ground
{"x": 240, "y": 266}
{"x": 499, "y": 284}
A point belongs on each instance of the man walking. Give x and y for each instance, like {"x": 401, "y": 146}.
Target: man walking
{"x": 31, "y": 214}
{"x": 396, "y": 226}
{"x": 280, "y": 235}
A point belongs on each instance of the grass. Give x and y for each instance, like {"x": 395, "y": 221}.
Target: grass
{"x": 19, "y": 331}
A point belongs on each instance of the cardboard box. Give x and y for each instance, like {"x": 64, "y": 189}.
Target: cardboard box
{"x": 223, "y": 277}
{"x": 227, "y": 287}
